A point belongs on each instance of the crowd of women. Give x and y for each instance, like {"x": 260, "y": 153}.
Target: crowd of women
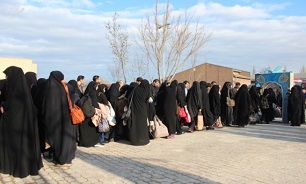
{"x": 35, "y": 114}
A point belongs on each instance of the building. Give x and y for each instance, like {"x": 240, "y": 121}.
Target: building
{"x": 27, "y": 65}
{"x": 210, "y": 72}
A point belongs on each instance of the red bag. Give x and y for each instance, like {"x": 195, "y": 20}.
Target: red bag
{"x": 76, "y": 113}
{"x": 182, "y": 113}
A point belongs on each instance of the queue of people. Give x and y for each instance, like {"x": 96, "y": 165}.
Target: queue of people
{"x": 36, "y": 120}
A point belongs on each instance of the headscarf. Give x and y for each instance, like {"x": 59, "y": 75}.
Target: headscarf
{"x": 31, "y": 79}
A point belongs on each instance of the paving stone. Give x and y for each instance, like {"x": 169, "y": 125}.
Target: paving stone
{"x": 256, "y": 154}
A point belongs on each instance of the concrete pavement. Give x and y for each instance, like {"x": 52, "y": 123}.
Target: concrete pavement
{"x": 273, "y": 153}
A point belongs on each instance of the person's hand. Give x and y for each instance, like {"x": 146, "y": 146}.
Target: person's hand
{"x": 150, "y": 100}
{"x": 1, "y": 109}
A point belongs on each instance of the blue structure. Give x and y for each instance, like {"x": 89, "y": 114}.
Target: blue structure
{"x": 284, "y": 80}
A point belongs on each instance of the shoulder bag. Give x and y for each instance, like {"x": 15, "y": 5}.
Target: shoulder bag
{"x": 127, "y": 114}
{"x": 76, "y": 113}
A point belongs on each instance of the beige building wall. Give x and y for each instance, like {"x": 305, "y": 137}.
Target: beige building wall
{"x": 27, "y": 65}
{"x": 210, "y": 72}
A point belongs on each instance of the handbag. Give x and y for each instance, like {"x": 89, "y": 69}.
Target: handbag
{"x": 76, "y": 113}
{"x": 103, "y": 125}
{"x": 159, "y": 129}
{"x": 200, "y": 122}
{"x": 127, "y": 114}
{"x": 182, "y": 113}
{"x": 230, "y": 102}
{"x": 253, "y": 118}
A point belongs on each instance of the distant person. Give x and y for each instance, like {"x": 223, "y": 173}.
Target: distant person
{"x": 97, "y": 79}
{"x": 255, "y": 99}
{"x": 19, "y": 139}
{"x": 80, "y": 81}
{"x": 208, "y": 87}
{"x": 138, "y": 80}
{"x": 226, "y": 111}
{"x": 154, "y": 89}
{"x": 213, "y": 83}
{"x": 187, "y": 86}
{"x": 235, "y": 89}
{"x": 266, "y": 106}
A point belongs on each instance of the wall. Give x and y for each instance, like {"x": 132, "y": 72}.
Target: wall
{"x": 26, "y": 65}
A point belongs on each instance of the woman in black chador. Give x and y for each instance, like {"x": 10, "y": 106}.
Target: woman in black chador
{"x": 38, "y": 99}
{"x": 170, "y": 105}
{"x": 226, "y": 111}
{"x": 181, "y": 101}
{"x": 60, "y": 131}
{"x": 255, "y": 99}
{"x": 242, "y": 104}
{"x": 137, "y": 124}
{"x": 296, "y": 106}
{"x": 267, "y": 113}
{"x": 19, "y": 140}
{"x": 214, "y": 102}
{"x": 89, "y": 134}
{"x": 207, "y": 115}
{"x": 194, "y": 103}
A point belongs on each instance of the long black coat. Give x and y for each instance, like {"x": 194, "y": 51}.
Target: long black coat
{"x": 207, "y": 115}
{"x": 296, "y": 106}
{"x": 255, "y": 99}
{"x": 137, "y": 124}
{"x": 19, "y": 140}
{"x": 242, "y": 104}
{"x": 214, "y": 102}
{"x": 226, "y": 111}
{"x": 194, "y": 98}
{"x": 89, "y": 134}
{"x": 59, "y": 129}
{"x": 170, "y": 107}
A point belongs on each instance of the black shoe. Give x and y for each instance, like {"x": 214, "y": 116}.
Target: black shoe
{"x": 210, "y": 128}
{"x": 241, "y": 126}
{"x": 180, "y": 133}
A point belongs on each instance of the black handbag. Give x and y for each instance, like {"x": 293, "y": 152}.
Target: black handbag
{"x": 127, "y": 114}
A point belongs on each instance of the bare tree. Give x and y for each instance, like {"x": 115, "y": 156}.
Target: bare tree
{"x": 170, "y": 45}
{"x": 119, "y": 43}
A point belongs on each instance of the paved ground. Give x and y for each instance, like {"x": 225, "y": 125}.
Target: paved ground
{"x": 274, "y": 153}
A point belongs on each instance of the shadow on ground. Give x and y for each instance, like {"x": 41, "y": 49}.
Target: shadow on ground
{"x": 139, "y": 172}
{"x": 274, "y": 131}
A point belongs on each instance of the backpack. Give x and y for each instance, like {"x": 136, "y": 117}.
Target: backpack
{"x": 264, "y": 103}
{"x": 85, "y": 104}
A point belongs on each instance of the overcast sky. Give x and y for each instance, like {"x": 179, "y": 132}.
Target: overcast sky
{"x": 69, "y": 35}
